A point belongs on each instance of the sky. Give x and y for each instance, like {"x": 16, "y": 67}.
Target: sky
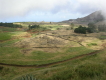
{"x": 47, "y": 10}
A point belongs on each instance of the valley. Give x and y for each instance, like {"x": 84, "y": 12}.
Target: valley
{"x": 51, "y": 51}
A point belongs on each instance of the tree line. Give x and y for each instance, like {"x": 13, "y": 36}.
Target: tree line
{"x": 90, "y": 29}
{"x": 10, "y": 25}
{"x": 36, "y": 27}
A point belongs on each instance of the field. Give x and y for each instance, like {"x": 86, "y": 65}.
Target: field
{"x": 54, "y": 54}
{"x": 38, "y": 57}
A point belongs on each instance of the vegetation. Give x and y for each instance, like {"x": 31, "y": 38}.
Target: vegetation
{"x": 27, "y": 77}
{"x": 102, "y": 27}
{"x": 80, "y": 29}
{"x": 90, "y": 29}
{"x": 92, "y": 44}
{"x": 5, "y": 36}
{"x": 38, "y": 57}
{"x": 102, "y": 37}
{"x": 33, "y": 26}
{"x": 89, "y": 67}
{"x": 92, "y": 26}
{"x": 36, "y": 28}
{"x": 10, "y": 25}
{"x": 7, "y": 29}
{"x": 72, "y": 25}
{"x": 82, "y": 72}
{"x": 83, "y": 30}
{"x": 52, "y": 27}
{"x": 95, "y": 28}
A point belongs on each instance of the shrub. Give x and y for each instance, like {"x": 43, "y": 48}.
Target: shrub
{"x": 80, "y": 29}
{"x": 27, "y": 77}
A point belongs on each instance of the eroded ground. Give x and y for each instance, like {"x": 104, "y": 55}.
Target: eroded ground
{"x": 52, "y": 41}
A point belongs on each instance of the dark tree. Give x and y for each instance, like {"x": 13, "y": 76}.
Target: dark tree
{"x": 10, "y": 25}
{"x": 80, "y": 29}
{"x": 33, "y": 27}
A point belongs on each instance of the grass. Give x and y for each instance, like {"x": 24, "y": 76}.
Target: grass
{"x": 7, "y": 29}
{"x": 92, "y": 44}
{"x": 87, "y": 68}
{"x": 5, "y": 36}
{"x": 52, "y": 27}
{"x": 27, "y": 77}
{"x": 82, "y": 72}
{"x": 38, "y": 57}
{"x": 102, "y": 37}
{"x": 38, "y": 30}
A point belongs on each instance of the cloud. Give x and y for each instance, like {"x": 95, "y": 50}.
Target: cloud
{"x": 86, "y": 6}
{"x": 9, "y": 8}
{"x": 23, "y": 8}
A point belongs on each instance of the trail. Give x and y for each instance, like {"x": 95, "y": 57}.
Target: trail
{"x": 50, "y": 64}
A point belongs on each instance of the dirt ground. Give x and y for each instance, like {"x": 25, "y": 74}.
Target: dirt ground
{"x": 52, "y": 41}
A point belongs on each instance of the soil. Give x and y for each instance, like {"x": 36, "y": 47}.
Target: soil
{"x": 51, "y": 41}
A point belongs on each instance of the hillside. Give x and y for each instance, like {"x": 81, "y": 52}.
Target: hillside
{"x": 50, "y": 51}
{"x": 93, "y": 17}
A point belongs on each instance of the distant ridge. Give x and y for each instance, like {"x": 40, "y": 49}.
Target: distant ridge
{"x": 93, "y": 17}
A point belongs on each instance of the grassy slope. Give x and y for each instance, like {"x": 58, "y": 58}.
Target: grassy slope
{"x": 38, "y": 57}
{"x": 87, "y": 68}
{"x": 7, "y": 29}
{"x": 5, "y": 36}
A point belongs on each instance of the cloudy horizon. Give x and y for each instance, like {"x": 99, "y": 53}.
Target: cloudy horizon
{"x": 47, "y": 10}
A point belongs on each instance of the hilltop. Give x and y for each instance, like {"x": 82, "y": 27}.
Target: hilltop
{"x": 94, "y": 17}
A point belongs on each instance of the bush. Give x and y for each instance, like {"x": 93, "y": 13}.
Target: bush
{"x": 27, "y": 77}
{"x": 33, "y": 26}
{"x": 80, "y": 29}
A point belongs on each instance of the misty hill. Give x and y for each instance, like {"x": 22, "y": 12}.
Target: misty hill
{"x": 94, "y": 17}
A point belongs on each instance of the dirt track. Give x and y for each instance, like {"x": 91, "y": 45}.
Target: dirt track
{"x": 50, "y": 64}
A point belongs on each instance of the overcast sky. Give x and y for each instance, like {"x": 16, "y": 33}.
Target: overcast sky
{"x": 47, "y": 10}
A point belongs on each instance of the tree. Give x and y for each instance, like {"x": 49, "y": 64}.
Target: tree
{"x": 33, "y": 27}
{"x": 80, "y": 29}
{"x": 29, "y": 27}
{"x": 72, "y": 25}
{"x": 1, "y": 24}
{"x": 89, "y": 30}
{"x": 102, "y": 27}
{"x": 92, "y": 27}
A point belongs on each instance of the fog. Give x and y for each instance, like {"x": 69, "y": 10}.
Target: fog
{"x": 23, "y": 9}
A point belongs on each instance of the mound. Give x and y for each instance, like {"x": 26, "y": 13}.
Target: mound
{"x": 42, "y": 41}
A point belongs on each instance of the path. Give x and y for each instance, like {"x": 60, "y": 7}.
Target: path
{"x": 51, "y": 64}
